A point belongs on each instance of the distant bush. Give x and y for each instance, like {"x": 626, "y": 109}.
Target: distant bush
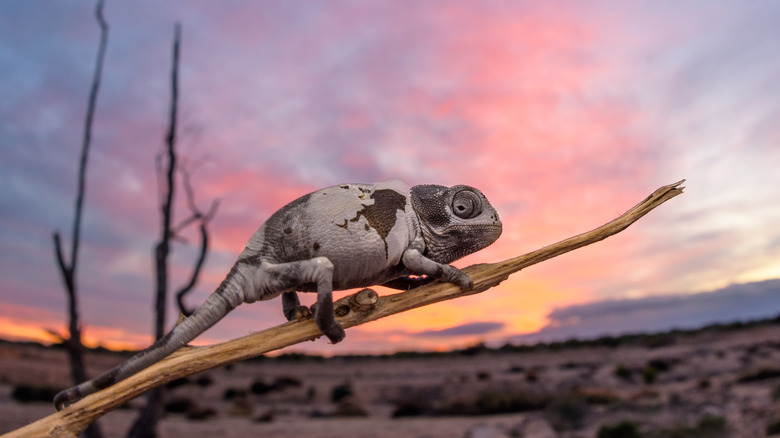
{"x": 233, "y": 393}
{"x": 173, "y": 384}
{"x": 773, "y": 427}
{"x": 33, "y": 393}
{"x": 708, "y": 426}
{"x": 624, "y": 429}
{"x": 240, "y": 407}
{"x": 413, "y": 401}
{"x": 204, "y": 381}
{"x": 259, "y": 387}
{"x": 350, "y": 406}
{"x": 711, "y": 426}
{"x": 761, "y": 374}
{"x": 412, "y": 408}
{"x": 284, "y": 382}
{"x": 567, "y": 413}
{"x": 179, "y": 405}
{"x": 341, "y": 391}
{"x": 776, "y": 393}
{"x": 198, "y": 413}
{"x": 266, "y": 417}
{"x": 597, "y": 396}
{"x": 649, "y": 374}
{"x": 662, "y": 365}
{"x": 622, "y": 372}
{"x": 493, "y": 402}
{"x": 660, "y": 340}
{"x": 516, "y": 369}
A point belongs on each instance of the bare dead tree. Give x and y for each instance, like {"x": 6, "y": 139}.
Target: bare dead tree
{"x": 167, "y": 164}
{"x": 353, "y": 310}
{"x": 146, "y": 424}
{"x": 68, "y": 270}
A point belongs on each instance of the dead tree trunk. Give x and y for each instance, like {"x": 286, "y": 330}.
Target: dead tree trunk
{"x": 146, "y": 424}
{"x": 167, "y": 165}
{"x": 68, "y": 270}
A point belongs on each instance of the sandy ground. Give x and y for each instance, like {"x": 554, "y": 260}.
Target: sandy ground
{"x": 714, "y": 383}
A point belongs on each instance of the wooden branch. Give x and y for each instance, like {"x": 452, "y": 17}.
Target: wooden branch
{"x": 353, "y": 310}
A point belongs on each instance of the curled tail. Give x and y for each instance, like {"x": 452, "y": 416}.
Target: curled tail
{"x": 216, "y": 306}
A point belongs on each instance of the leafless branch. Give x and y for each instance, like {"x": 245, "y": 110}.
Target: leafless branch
{"x": 353, "y": 310}
{"x": 68, "y": 270}
{"x": 204, "y": 241}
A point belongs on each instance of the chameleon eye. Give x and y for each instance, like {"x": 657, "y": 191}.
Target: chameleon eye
{"x": 466, "y": 204}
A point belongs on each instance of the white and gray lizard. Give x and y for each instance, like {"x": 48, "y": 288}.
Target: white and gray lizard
{"x": 340, "y": 237}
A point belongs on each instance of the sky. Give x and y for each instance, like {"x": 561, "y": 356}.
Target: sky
{"x": 564, "y": 114}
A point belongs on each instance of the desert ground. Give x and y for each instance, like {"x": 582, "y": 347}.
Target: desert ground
{"x": 716, "y": 382}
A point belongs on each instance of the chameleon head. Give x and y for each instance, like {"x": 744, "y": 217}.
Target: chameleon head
{"x": 455, "y": 221}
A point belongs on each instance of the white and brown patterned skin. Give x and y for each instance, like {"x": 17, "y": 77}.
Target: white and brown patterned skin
{"x": 341, "y": 237}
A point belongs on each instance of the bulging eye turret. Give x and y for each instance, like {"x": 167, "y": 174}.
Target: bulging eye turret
{"x": 466, "y": 204}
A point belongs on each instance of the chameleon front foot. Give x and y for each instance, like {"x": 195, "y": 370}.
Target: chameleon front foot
{"x": 327, "y": 323}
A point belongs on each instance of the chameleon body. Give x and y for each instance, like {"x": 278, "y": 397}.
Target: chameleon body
{"x": 341, "y": 237}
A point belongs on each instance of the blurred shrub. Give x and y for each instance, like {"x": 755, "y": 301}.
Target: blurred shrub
{"x": 516, "y": 369}
{"x": 240, "y": 407}
{"x": 624, "y": 429}
{"x": 233, "y": 393}
{"x": 660, "y": 340}
{"x": 597, "y": 396}
{"x": 566, "y": 413}
{"x": 179, "y": 405}
{"x": 198, "y": 413}
{"x": 412, "y": 408}
{"x": 649, "y": 374}
{"x": 341, "y": 391}
{"x": 708, "y": 426}
{"x": 661, "y": 365}
{"x": 773, "y": 427}
{"x": 493, "y": 402}
{"x": 760, "y": 374}
{"x": 284, "y": 382}
{"x": 204, "y": 381}
{"x": 173, "y": 384}
{"x": 259, "y": 387}
{"x": 266, "y": 417}
{"x": 350, "y": 406}
{"x": 711, "y": 426}
{"x": 33, "y": 393}
{"x": 622, "y": 372}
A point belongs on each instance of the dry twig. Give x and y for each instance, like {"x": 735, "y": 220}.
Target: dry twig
{"x": 353, "y": 310}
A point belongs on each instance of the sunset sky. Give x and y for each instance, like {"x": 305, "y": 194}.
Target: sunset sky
{"x": 565, "y": 114}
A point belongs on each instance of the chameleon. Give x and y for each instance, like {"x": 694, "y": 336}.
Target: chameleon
{"x": 340, "y": 237}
